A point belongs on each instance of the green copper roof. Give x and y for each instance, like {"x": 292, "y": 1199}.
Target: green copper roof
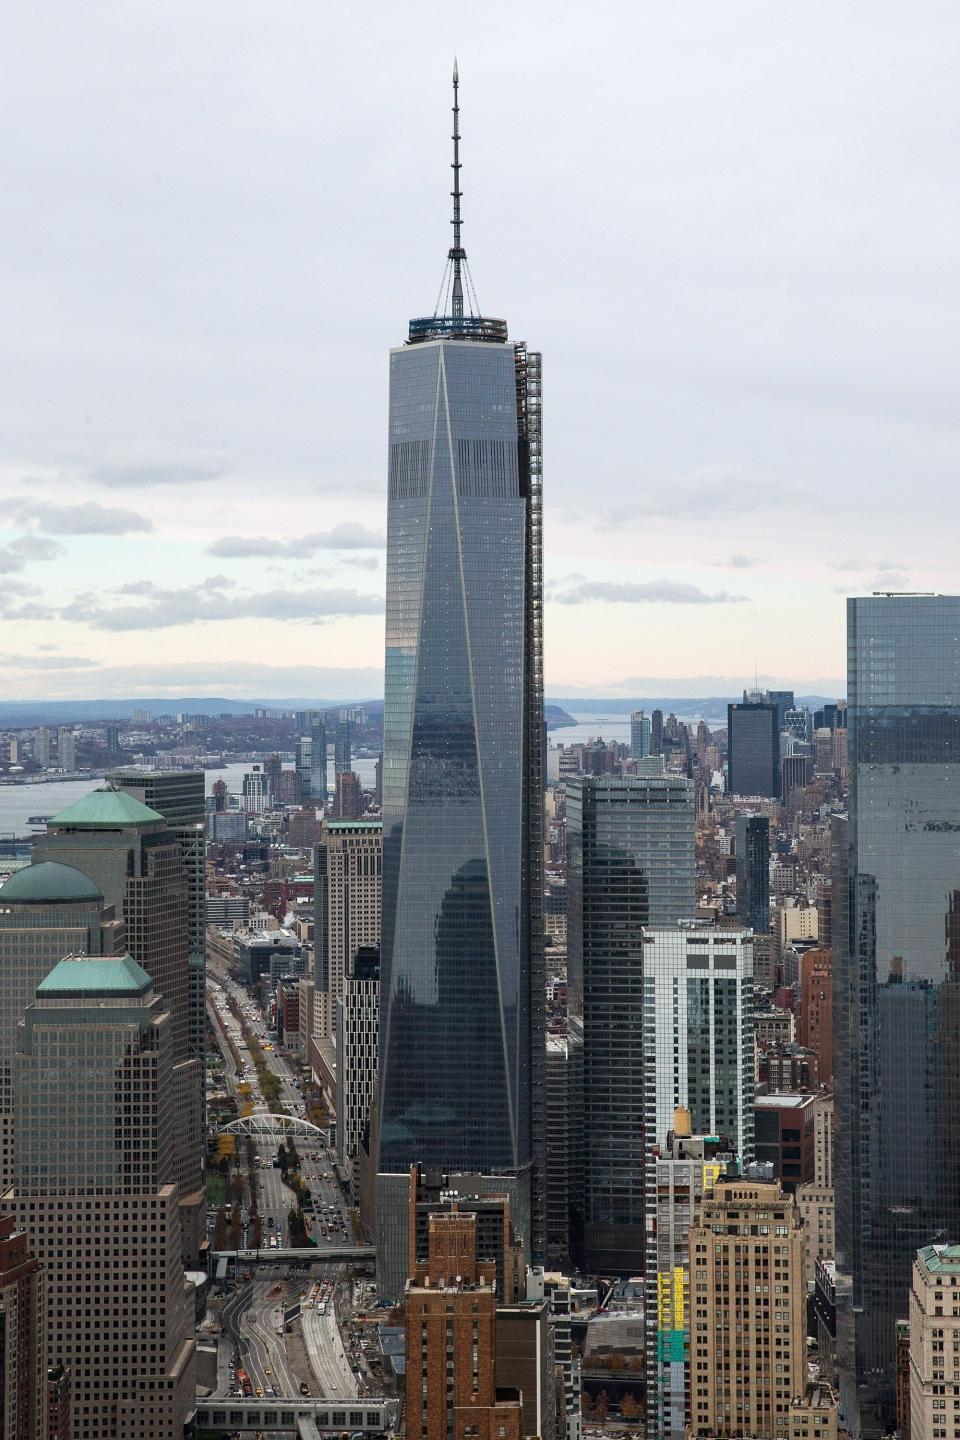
{"x": 105, "y": 808}
{"x": 48, "y": 883}
{"x": 94, "y": 976}
{"x": 941, "y": 1257}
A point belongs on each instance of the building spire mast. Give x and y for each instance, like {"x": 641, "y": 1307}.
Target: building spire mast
{"x": 456, "y": 253}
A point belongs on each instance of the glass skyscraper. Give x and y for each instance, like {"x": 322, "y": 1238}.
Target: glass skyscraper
{"x": 461, "y": 1026}
{"x": 896, "y": 966}
{"x": 753, "y": 871}
{"x": 753, "y": 749}
{"x": 630, "y": 864}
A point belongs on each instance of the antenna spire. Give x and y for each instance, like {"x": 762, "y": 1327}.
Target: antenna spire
{"x": 456, "y": 253}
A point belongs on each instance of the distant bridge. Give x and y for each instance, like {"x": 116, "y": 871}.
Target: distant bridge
{"x": 345, "y": 1417}
{"x": 264, "y": 1126}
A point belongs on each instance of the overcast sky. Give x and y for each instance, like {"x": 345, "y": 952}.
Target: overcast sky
{"x": 732, "y": 228}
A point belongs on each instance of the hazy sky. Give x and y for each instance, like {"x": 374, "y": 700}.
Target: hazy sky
{"x": 732, "y": 228}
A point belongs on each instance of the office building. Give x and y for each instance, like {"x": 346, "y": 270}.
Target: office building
{"x": 91, "y": 1188}
{"x": 462, "y": 987}
{"x": 753, "y": 749}
{"x": 113, "y": 740}
{"x": 23, "y": 1338}
{"x": 896, "y": 979}
{"x": 256, "y": 796}
{"x": 747, "y": 1301}
{"x": 564, "y": 1129}
{"x": 303, "y": 769}
{"x": 796, "y": 773}
{"x": 816, "y": 1200}
{"x": 137, "y": 862}
{"x": 342, "y": 748}
{"x": 784, "y": 1137}
{"x": 784, "y": 702}
{"x": 358, "y": 1019}
{"x": 630, "y": 845}
{"x": 697, "y": 1033}
{"x": 178, "y": 795}
{"x": 753, "y": 871}
{"x": 525, "y": 1361}
{"x": 679, "y": 1174}
{"x": 318, "y": 760}
{"x": 402, "y": 1220}
{"x": 348, "y": 800}
{"x": 450, "y": 1324}
{"x": 815, "y": 1013}
{"x": 934, "y": 1340}
{"x": 639, "y": 735}
{"x": 46, "y": 911}
{"x": 66, "y": 748}
{"x": 656, "y": 732}
{"x": 347, "y": 906}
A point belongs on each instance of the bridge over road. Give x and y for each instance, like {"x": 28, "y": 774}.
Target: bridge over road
{"x": 312, "y": 1254}
{"x": 347, "y": 1418}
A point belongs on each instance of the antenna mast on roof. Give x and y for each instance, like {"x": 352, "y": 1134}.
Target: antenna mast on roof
{"x": 456, "y": 253}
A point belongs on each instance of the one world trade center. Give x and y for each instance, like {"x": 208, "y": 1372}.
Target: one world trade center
{"x": 461, "y": 1010}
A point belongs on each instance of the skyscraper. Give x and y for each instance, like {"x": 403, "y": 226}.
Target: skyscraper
{"x": 697, "y": 1034}
{"x": 461, "y": 1040}
{"x": 303, "y": 764}
{"x": 748, "y": 1342}
{"x": 896, "y": 979}
{"x": 639, "y": 735}
{"x": 136, "y": 861}
{"x": 23, "y": 1338}
{"x": 342, "y": 756}
{"x": 178, "y": 795}
{"x": 347, "y": 906}
{"x": 357, "y": 1017}
{"x": 318, "y": 760}
{"x": 753, "y": 749}
{"x": 753, "y": 871}
{"x": 91, "y": 1187}
{"x": 630, "y": 864}
{"x": 46, "y": 911}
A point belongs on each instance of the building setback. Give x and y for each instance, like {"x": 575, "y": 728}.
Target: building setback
{"x": 136, "y": 860}
{"x": 46, "y": 911}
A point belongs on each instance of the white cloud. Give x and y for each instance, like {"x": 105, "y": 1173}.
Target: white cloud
{"x": 215, "y": 599}
{"x": 87, "y": 518}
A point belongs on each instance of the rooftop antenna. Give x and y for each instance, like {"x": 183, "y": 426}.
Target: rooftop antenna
{"x": 456, "y": 253}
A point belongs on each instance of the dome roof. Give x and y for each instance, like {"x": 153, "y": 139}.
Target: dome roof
{"x": 48, "y": 883}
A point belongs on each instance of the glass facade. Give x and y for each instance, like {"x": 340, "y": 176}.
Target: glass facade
{"x": 896, "y": 979}
{"x": 630, "y": 864}
{"x": 462, "y": 724}
{"x": 753, "y": 872}
{"x": 753, "y": 749}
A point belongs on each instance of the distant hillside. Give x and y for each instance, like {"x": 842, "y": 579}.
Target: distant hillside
{"x": 556, "y": 717}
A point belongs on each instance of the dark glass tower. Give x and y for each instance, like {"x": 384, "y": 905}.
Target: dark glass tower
{"x": 896, "y": 970}
{"x": 461, "y": 1024}
{"x": 753, "y": 871}
{"x": 753, "y": 749}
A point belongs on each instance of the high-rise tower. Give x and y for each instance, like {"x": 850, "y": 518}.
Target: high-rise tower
{"x": 896, "y": 979}
{"x": 461, "y": 1036}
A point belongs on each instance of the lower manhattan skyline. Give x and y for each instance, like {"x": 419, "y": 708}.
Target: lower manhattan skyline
{"x": 479, "y": 766}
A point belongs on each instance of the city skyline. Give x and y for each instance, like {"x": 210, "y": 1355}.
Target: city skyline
{"x": 731, "y": 252}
